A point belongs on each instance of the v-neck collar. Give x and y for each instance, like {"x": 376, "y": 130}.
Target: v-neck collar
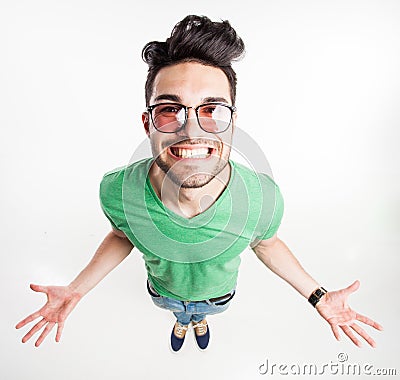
{"x": 199, "y": 217}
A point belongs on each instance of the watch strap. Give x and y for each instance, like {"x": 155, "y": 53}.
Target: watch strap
{"x": 316, "y": 295}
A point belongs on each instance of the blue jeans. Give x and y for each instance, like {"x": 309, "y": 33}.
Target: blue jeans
{"x": 186, "y": 311}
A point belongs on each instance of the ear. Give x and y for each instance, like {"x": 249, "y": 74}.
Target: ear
{"x": 234, "y": 118}
{"x": 146, "y": 122}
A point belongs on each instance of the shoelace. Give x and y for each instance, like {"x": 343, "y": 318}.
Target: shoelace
{"x": 179, "y": 330}
{"x": 201, "y": 328}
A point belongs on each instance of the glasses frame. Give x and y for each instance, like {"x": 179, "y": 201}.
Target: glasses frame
{"x": 231, "y": 108}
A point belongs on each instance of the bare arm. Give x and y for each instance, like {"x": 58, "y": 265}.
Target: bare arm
{"x": 61, "y": 300}
{"x": 111, "y": 252}
{"x": 279, "y": 259}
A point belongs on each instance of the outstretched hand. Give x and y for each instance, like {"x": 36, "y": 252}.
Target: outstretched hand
{"x": 61, "y": 300}
{"x": 334, "y": 309}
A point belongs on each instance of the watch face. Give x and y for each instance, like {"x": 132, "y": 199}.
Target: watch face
{"x": 316, "y": 296}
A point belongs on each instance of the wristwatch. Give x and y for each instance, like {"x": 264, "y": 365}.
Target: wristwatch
{"x": 316, "y": 295}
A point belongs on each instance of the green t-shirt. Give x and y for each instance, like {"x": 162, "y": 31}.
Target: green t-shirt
{"x": 192, "y": 258}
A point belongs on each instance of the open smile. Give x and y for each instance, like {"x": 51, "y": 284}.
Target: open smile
{"x": 196, "y": 151}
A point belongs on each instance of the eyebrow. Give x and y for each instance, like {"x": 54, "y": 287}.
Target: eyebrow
{"x": 177, "y": 98}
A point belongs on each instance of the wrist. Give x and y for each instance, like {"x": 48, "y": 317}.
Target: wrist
{"x": 317, "y": 295}
{"x": 76, "y": 290}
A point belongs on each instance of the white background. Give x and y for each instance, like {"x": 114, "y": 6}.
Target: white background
{"x": 319, "y": 90}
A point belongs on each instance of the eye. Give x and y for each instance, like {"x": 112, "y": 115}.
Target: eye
{"x": 208, "y": 109}
{"x": 168, "y": 109}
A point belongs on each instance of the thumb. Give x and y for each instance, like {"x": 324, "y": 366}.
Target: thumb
{"x": 353, "y": 287}
{"x": 38, "y": 288}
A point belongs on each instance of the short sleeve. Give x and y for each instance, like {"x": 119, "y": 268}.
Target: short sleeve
{"x": 106, "y": 199}
{"x": 109, "y": 217}
{"x": 277, "y": 214}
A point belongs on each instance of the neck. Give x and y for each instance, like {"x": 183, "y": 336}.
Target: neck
{"x": 188, "y": 201}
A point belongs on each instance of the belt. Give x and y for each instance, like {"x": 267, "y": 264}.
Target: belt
{"x": 230, "y": 295}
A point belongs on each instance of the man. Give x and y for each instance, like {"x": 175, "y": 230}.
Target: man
{"x": 190, "y": 209}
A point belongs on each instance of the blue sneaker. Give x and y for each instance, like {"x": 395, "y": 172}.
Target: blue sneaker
{"x": 178, "y": 336}
{"x": 202, "y": 334}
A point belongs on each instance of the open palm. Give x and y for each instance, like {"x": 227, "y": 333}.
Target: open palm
{"x": 60, "y": 302}
{"x": 333, "y": 307}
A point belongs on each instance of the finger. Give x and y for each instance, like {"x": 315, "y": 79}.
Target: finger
{"x": 28, "y": 319}
{"x": 38, "y": 288}
{"x": 368, "y": 321}
{"x": 33, "y": 330}
{"x": 60, "y": 329}
{"x": 353, "y": 287}
{"x": 348, "y": 332}
{"x": 44, "y": 333}
{"x": 360, "y": 331}
{"x": 335, "y": 330}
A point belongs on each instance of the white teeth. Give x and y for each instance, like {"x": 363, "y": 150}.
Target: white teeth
{"x": 191, "y": 153}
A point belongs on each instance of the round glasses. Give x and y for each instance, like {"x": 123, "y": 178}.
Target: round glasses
{"x": 172, "y": 117}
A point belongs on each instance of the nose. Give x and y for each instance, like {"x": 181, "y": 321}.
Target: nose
{"x": 192, "y": 128}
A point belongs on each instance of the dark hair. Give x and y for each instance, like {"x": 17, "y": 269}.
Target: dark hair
{"x": 198, "y": 39}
